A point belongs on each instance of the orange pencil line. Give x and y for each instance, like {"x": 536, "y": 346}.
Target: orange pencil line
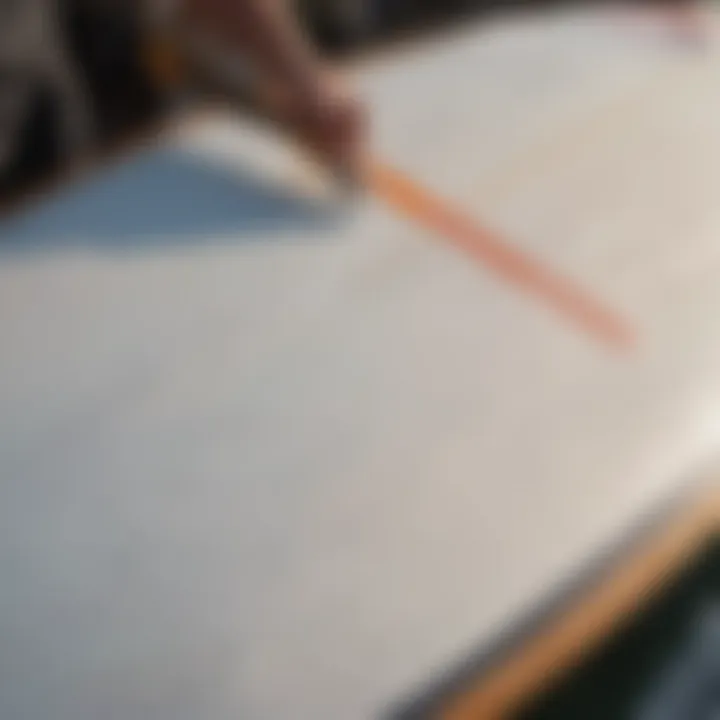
{"x": 566, "y": 298}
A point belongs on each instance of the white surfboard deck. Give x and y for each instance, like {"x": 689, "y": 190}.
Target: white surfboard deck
{"x": 263, "y": 461}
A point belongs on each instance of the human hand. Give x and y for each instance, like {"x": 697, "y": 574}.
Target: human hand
{"x": 333, "y": 124}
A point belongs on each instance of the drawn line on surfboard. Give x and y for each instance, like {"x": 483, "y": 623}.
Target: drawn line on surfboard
{"x": 490, "y": 250}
